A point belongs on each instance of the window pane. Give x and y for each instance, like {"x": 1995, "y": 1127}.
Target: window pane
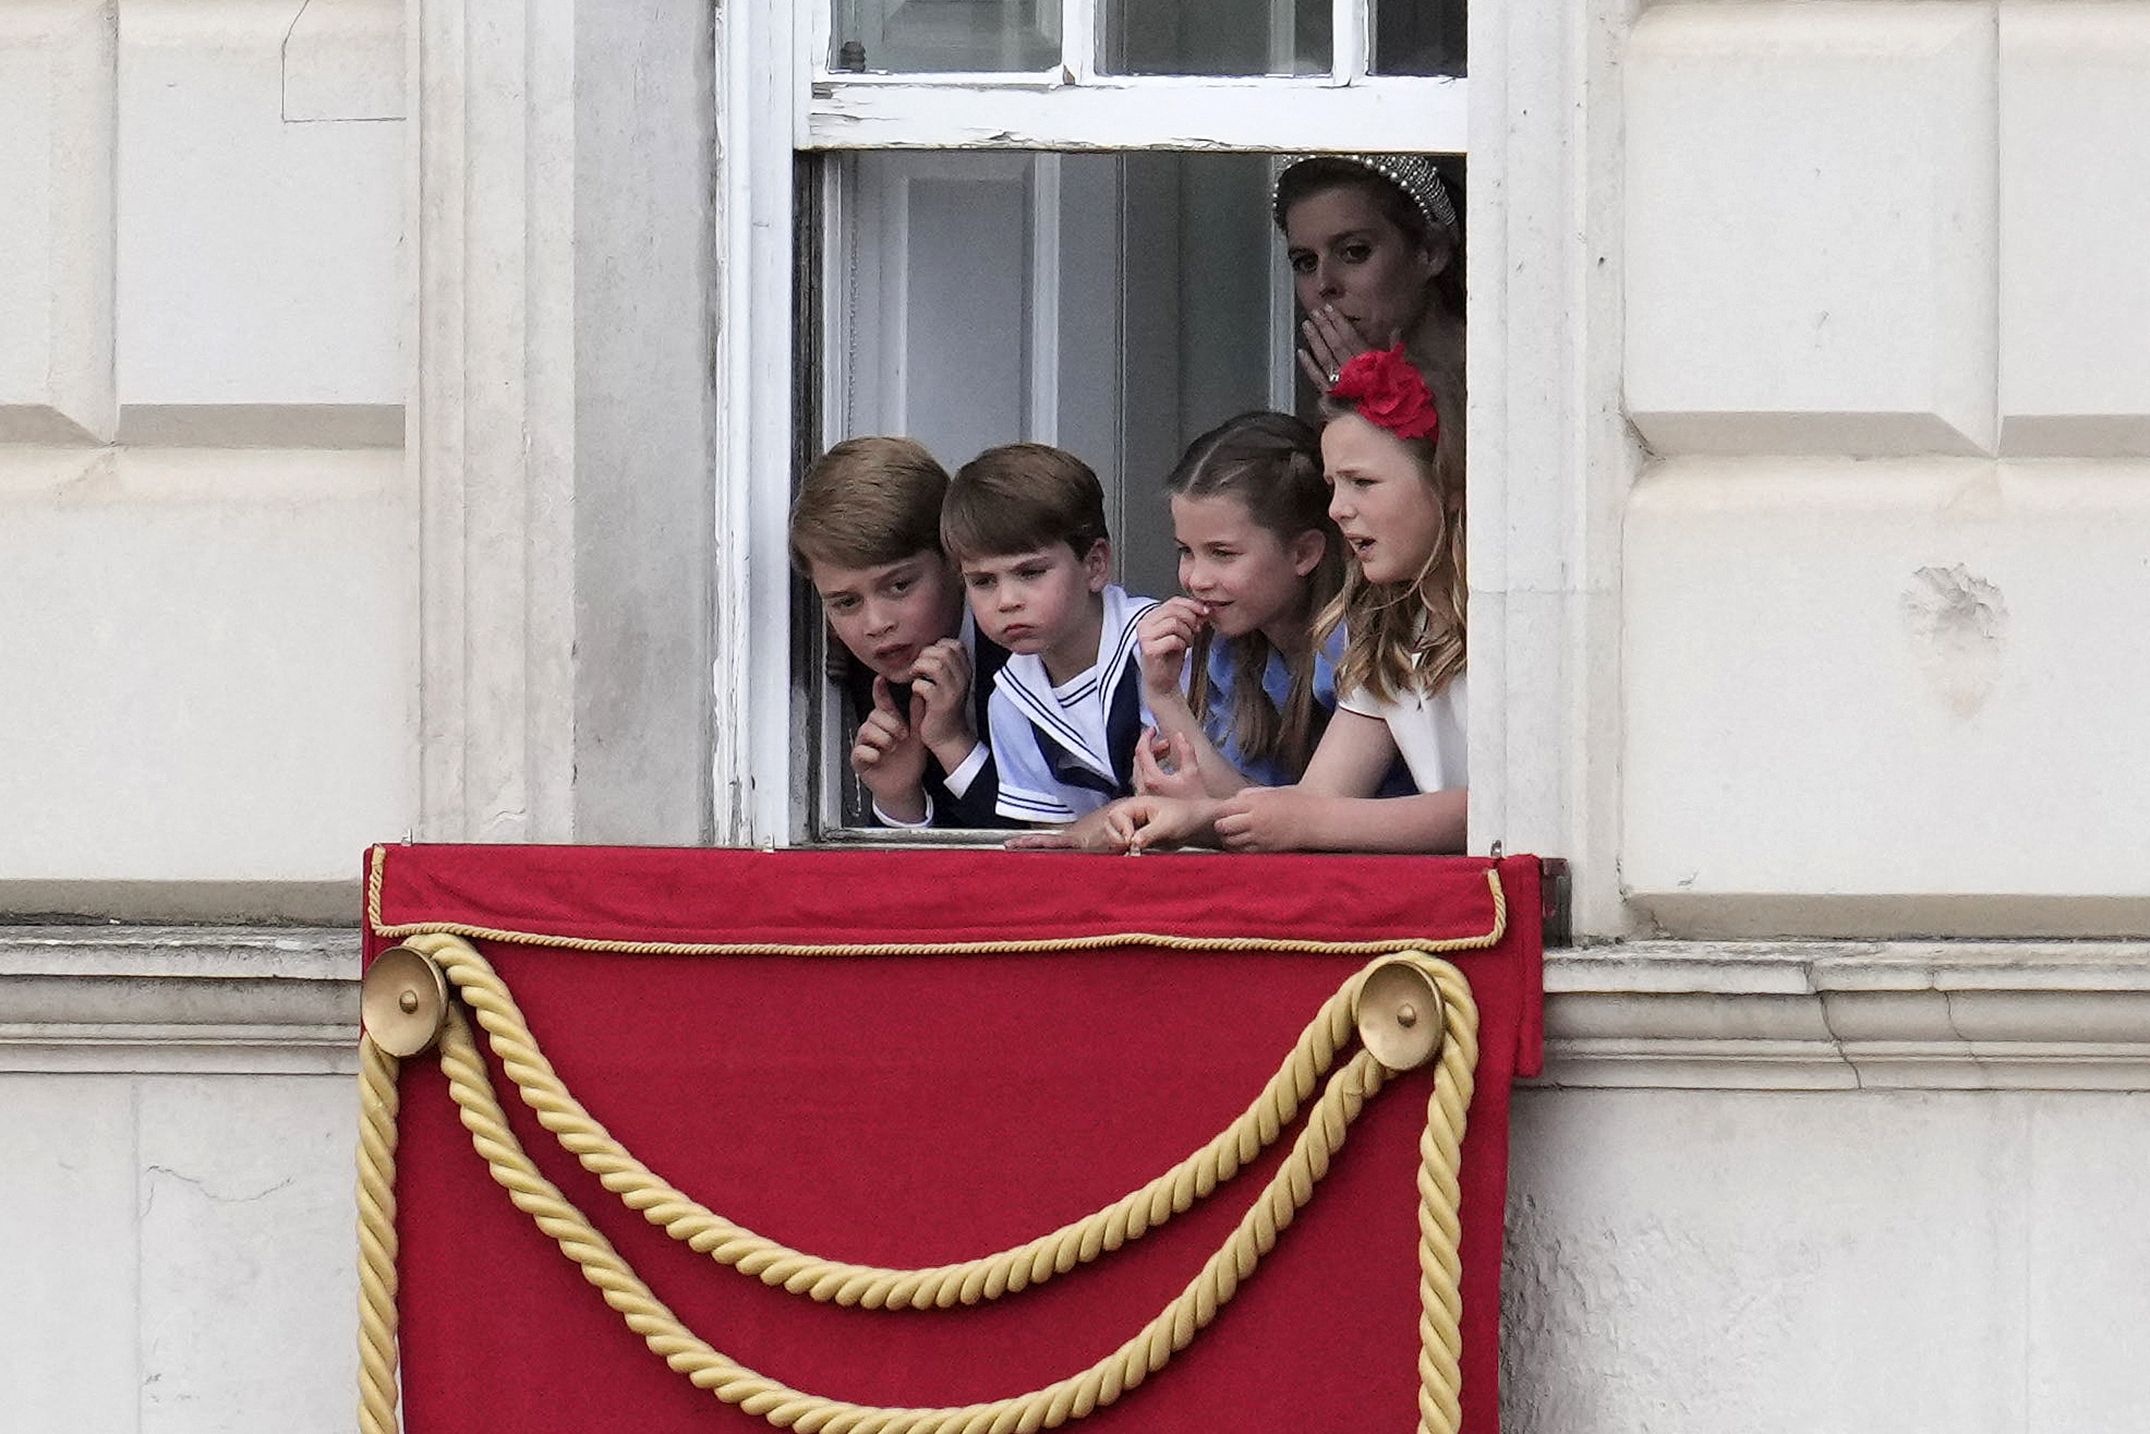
{"x": 1214, "y": 37}
{"x": 1116, "y": 305}
{"x": 1418, "y": 37}
{"x": 918, "y": 36}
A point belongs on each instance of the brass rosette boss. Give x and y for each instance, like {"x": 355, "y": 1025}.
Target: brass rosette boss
{"x": 404, "y": 1001}
{"x": 1399, "y": 1012}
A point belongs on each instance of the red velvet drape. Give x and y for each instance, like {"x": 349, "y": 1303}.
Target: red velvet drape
{"x": 916, "y": 1110}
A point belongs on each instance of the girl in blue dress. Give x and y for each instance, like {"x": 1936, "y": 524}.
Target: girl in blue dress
{"x": 1238, "y": 688}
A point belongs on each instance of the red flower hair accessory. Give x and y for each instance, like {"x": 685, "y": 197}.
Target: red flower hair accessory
{"x": 1388, "y": 391}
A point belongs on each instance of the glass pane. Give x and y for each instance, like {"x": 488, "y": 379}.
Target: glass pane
{"x": 1214, "y": 37}
{"x": 921, "y": 36}
{"x": 1418, "y": 37}
{"x": 1116, "y": 305}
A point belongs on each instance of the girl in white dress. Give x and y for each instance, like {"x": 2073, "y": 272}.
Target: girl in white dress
{"x": 1400, "y": 682}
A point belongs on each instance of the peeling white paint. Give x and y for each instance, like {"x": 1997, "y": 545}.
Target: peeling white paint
{"x": 1267, "y": 114}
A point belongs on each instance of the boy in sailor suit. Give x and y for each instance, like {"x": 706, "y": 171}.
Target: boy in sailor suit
{"x": 1025, "y": 523}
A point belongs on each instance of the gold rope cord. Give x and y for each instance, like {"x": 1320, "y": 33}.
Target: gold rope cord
{"x": 1102, "y": 1383}
{"x": 378, "y": 1101}
{"x": 377, "y": 870}
{"x": 1440, "y": 1203}
{"x": 942, "y": 1286}
{"x": 470, "y": 1084}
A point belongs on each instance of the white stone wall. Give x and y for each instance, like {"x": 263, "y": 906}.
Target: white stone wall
{"x": 190, "y": 1257}
{"x": 177, "y": 1110}
{"x": 1851, "y": 294}
{"x": 208, "y": 628}
{"x": 1777, "y": 1189}
{"x": 1888, "y": 342}
{"x": 1689, "y": 1262}
{"x": 1879, "y": 329}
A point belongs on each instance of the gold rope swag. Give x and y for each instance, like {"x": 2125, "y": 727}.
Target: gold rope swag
{"x": 478, "y": 986}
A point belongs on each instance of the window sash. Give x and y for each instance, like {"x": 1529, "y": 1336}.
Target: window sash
{"x": 1299, "y": 114}
{"x": 813, "y": 28}
{"x": 1075, "y": 107}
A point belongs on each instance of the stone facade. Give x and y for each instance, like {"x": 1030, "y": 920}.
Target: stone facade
{"x": 375, "y": 458}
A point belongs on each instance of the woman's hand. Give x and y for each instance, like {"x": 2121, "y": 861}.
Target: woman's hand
{"x": 1331, "y": 342}
{"x": 1182, "y": 780}
{"x": 1168, "y": 632}
{"x": 890, "y": 756}
{"x": 1270, "y": 819}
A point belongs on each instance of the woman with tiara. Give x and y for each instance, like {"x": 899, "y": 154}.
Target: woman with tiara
{"x": 1375, "y": 243}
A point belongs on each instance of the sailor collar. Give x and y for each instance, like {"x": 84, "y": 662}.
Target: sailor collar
{"x": 1077, "y": 721}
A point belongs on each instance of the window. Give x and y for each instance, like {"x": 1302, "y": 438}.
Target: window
{"x": 1041, "y": 219}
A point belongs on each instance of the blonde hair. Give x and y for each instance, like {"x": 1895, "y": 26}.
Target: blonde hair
{"x": 1410, "y": 636}
{"x": 868, "y": 502}
{"x": 1020, "y": 497}
{"x": 1270, "y": 463}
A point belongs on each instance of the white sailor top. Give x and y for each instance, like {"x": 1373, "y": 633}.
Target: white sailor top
{"x": 1065, "y": 751}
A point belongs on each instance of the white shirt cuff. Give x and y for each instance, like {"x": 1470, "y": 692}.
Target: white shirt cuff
{"x": 958, "y": 782}
{"x": 888, "y": 821}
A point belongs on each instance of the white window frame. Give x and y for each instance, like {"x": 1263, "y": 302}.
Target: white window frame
{"x": 1074, "y": 106}
{"x": 1549, "y": 456}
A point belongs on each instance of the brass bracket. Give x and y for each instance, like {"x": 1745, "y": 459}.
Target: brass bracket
{"x": 404, "y": 1001}
{"x": 1555, "y": 901}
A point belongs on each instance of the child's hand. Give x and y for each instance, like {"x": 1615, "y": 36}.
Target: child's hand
{"x": 942, "y": 679}
{"x": 1052, "y": 839}
{"x": 1149, "y": 823}
{"x": 1091, "y": 834}
{"x": 1154, "y": 779}
{"x": 890, "y": 757}
{"x": 1168, "y": 632}
{"x": 1268, "y": 819}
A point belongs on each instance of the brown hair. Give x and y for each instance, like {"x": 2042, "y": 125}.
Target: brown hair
{"x": 1410, "y": 635}
{"x": 1319, "y": 174}
{"x": 1021, "y": 497}
{"x": 1271, "y": 463}
{"x": 868, "y": 502}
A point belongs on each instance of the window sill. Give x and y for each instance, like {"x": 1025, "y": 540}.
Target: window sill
{"x": 1827, "y": 1015}
{"x": 1664, "y": 1014}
